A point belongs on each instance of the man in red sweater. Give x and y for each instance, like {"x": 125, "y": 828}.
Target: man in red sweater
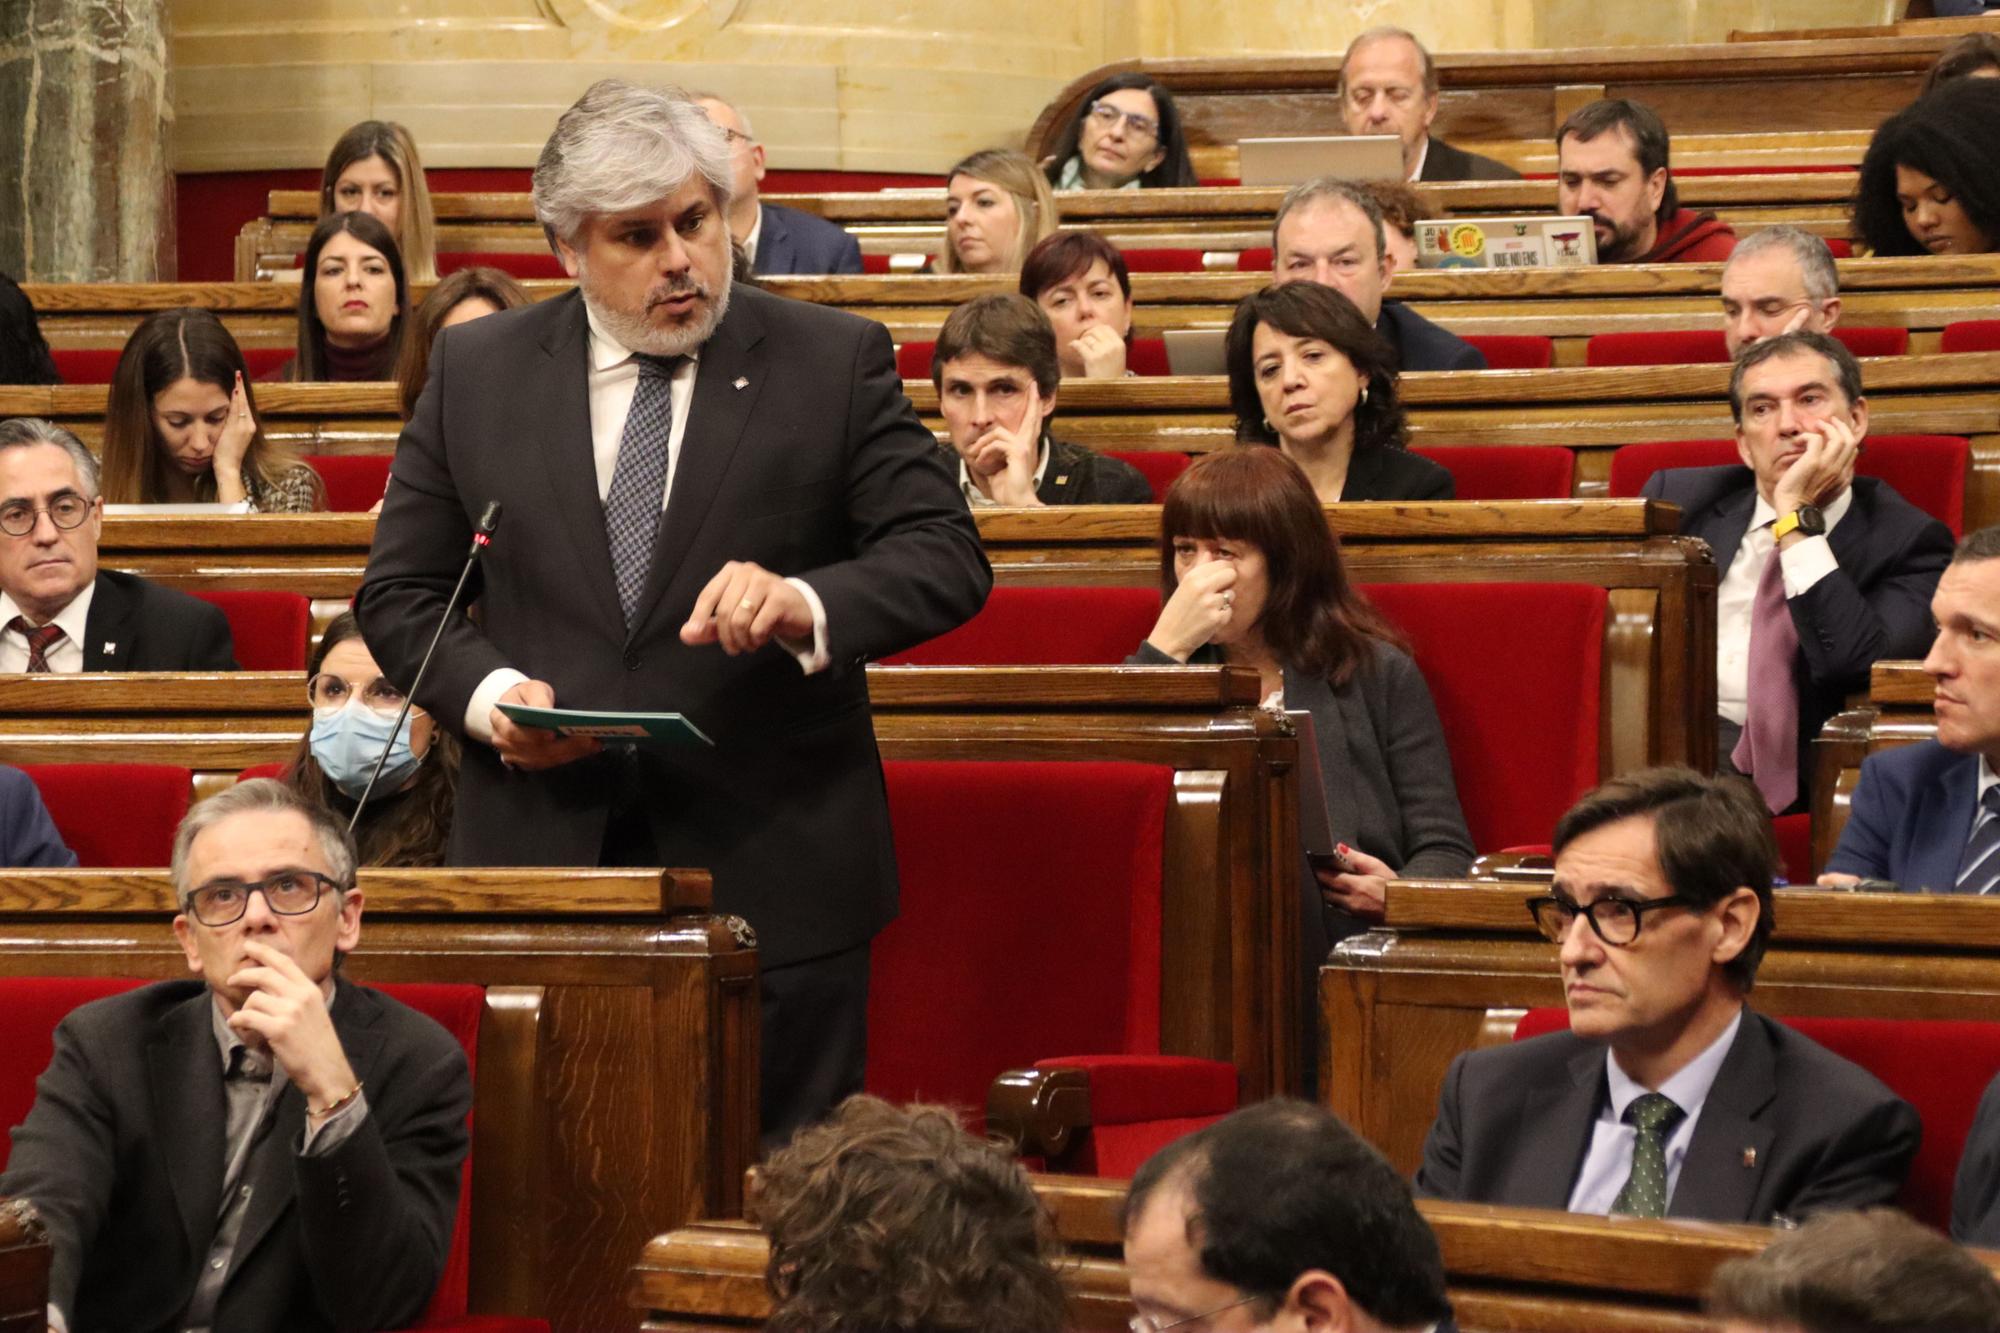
{"x": 1611, "y": 166}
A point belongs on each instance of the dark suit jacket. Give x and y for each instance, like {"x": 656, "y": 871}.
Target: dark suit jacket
{"x": 1395, "y": 474}
{"x": 123, "y": 1155}
{"x": 816, "y": 467}
{"x": 1442, "y": 162}
{"x": 1877, "y": 605}
{"x": 28, "y": 837}
{"x": 135, "y": 625}
{"x": 1910, "y": 818}
{"x": 1422, "y": 345}
{"x": 1975, "y": 1196}
{"x": 1078, "y": 476}
{"x": 795, "y": 242}
{"x": 1514, "y": 1125}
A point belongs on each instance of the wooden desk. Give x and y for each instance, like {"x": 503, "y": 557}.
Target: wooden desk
{"x": 24, "y": 1269}
{"x": 619, "y": 1041}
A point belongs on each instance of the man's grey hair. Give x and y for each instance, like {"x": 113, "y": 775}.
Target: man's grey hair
{"x": 1846, "y": 370}
{"x": 742, "y": 116}
{"x": 1382, "y": 33}
{"x": 623, "y": 146}
{"x": 19, "y": 432}
{"x": 263, "y": 795}
{"x": 1331, "y": 187}
{"x": 1809, "y": 252}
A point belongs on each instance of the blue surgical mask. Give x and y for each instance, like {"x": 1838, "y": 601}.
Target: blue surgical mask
{"x": 347, "y": 743}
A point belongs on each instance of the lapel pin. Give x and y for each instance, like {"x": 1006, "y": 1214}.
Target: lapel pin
{"x": 110, "y": 647}
{"x": 742, "y": 383}
{"x": 1749, "y": 1157}
{"x": 1062, "y": 480}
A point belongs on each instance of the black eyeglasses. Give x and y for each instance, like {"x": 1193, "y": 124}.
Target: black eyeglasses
{"x": 65, "y": 511}
{"x": 222, "y": 902}
{"x": 1616, "y": 920}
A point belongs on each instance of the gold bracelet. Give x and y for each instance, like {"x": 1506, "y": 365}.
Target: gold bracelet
{"x": 335, "y": 1104}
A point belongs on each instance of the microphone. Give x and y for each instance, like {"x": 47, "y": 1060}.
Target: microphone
{"x": 482, "y": 537}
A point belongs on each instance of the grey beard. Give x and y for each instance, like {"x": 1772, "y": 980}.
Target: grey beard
{"x": 638, "y": 333}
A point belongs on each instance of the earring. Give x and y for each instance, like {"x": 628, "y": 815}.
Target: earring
{"x": 1268, "y": 429}
{"x": 1364, "y": 391}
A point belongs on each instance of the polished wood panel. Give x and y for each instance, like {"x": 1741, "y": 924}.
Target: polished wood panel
{"x": 24, "y": 1269}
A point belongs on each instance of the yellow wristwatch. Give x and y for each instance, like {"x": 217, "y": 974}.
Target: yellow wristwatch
{"x": 1805, "y": 518}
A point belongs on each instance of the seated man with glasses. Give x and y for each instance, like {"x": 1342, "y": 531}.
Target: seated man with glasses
{"x": 58, "y": 610}
{"x": 1667, "y": 1096}
{"x": 203, "y": 1152}
{"x": 1781, "y": 279}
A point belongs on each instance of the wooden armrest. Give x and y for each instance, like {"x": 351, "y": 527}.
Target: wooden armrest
{"x": 1513, "y": 867}
{"x": 1041, "y": 1112}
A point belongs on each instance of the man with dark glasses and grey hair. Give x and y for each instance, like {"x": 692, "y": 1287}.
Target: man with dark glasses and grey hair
{"x": 267, "y": 1145}
{"x": 1667, "y": 1096}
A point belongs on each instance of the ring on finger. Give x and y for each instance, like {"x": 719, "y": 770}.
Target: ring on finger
{"x": 745, "y": 605}
{"x": 1229, "y": 598}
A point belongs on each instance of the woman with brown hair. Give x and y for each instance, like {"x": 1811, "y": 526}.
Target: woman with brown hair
{"x": 180, "y": 424}
{"x": 408, "y": 818}
{"x": 352, "y": 304}
{"x": 997, "y": 206}
{"x": 374, "y": 168}
{"x": 466, "y": 295}
{"x": 1251, "y": 575}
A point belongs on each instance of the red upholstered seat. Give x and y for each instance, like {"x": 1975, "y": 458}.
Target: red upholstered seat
{"x": 1514, "y": 668}
{"x": 1939, "y": 1067}
{"x": 1927, "y": 470}
{"x": 268, "y": 627}
{"x": 1971, "y": 335}
{"x": 1514, "y": 351}
{"x": 1160, "y": 466}
{"x": 354, "y": 482}
{"x": 30, "y": 1008}
{"x": 1505, "y": 472}
{"x": 115, "y": 816}
{"x": 96, "y": 365}
{"x": 1044, "y": 627}
{"x": 913, "y": 359}
{"x": 1030, "y": 925}
{"x": 1794, "y": 835}
{"x": 519, "y": 264}
{"x": 1687, "y": 347}
{"x": 1254, "y": 260}
{"x": 1163, "y": 261}
{"x": 1143, "y": 356}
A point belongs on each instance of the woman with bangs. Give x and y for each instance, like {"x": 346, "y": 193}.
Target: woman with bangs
{"x": 1081, "y": 283}
{"x": 1251, "y": 575}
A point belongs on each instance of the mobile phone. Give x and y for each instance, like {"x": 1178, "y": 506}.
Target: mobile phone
{"x": 1332, "y": 861}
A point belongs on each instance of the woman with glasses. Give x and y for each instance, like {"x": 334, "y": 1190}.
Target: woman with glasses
{"x": 997, "y": 206}
{"x": 180, "y": 424}
{"x": 1126, "y": 136}
{"x": 408, "y": 817}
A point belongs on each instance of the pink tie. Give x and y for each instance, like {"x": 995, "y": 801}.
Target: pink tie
{"x": 1769, "y": 747}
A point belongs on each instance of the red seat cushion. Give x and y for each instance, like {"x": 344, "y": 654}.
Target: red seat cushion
{"x": 1514, "y": 351}
{"x": 97, "y": 365}
{"x": 1969, "y": 335}
{"x": 1143, "y": 356}
{"x": 115, "y": 816}
{"x": 1163, "y": 261}
{"x": 354, "y": 482}
{"x": 268, "y": 627}
{"x": 913, "y": 359}
{"x": 1255, "y": 260}
{"x": 1044, "y": 627}
{"x": 1514, "y": 668}
{"x": 32, "y": 1007}
{"x": 1030, "y": 922}
{"x": 1507, "y": 471}
{"x": 1794, "y": 835}
{"x": 1927, "y": 470}
{"x": 1708, "y": 346}
{"x": 1141, "y": 1103}
{"x": 1159, "y": 466}
{"x": 519, "y": 264}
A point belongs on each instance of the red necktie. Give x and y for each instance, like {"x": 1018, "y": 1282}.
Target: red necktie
{"x": 1769, "y": 748}
{"x": 39, "y": 640}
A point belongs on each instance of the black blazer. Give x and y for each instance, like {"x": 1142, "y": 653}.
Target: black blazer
{"x": 1388, "y": 473}
{"x": 123, "y": 1155}
{"x": 795, "y": 242}
{"x": 1078, "y": 476}
{"x": 1975, "y": 1195}
{"x": 1876, "y": 606}
{"x": 1514, "y": 1125}
{"x": 1442, "y": 162}
{"x": 135, "y": 625}
{"x": 1422, "y": 345}
{"x": 801, "y": 454}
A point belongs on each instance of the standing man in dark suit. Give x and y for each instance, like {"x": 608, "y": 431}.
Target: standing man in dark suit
{"x": 204, "y": 1153}
{"x": 1389, "y": 85}
{"x": 807, "y": 529}
{"x": 58, "y": 611}
{"x": 1331, "y": 232}
{"x": 778, "y": 240}
{"x": 1824, "y": 573}
{"x": 1927, "y": 816}
{"x": 1668, "y": 1096}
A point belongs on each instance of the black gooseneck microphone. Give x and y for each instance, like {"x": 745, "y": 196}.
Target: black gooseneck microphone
{"x": 482, "y": 537}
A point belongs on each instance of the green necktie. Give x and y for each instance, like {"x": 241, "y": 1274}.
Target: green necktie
{"x": 1652, "y": 1117}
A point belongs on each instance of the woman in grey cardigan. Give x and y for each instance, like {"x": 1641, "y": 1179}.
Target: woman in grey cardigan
{"x": 1252, "y": 575}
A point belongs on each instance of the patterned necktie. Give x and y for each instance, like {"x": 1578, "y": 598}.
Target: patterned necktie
{"x": 39, "y": 640}
{"x": 639, "y": 481}
{"x": 1769, "y": 748}
{"x": 1652, "y": 1118}
{"x": 1979, "y": 868}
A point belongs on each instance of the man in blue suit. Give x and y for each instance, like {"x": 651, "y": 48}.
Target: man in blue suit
{"x": 1923, "y": 815}
{"x": 778, "y": 240}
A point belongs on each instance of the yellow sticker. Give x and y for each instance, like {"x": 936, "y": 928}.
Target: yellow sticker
{"x": 1468, "y": 240}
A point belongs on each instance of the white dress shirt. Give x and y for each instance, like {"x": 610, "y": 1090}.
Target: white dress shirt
{"x": 1608, "y": 1164}
{"x": 1423, "y": 155}
{"x": 65, "y": 655}
{"x": 750, "y": 241}
{"x": 614, "y": 381}
{"x": 1804, "y": 563}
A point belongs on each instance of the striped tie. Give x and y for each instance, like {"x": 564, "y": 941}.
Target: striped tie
{"x": 40, "y": 640}
{"x": 1979, "y": 870}
{"x": 1652, "y": 1118}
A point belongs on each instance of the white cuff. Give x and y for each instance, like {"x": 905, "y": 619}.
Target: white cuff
{"x": 812, "y": 657}
{"x": 56, "y": 1320}
{"x": 479, "y": 709}
{"x": 1806, "y": 562}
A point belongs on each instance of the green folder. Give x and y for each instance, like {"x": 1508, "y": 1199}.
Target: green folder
{"x": 634, "y": 728}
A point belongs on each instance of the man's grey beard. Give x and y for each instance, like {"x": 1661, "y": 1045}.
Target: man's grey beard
{"x": 639, "y": 334}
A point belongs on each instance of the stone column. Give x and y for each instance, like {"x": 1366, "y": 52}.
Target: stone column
{"x": 86, "y": 171}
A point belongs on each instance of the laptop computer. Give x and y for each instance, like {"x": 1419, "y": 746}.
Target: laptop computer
{"x": 1530, "y": 242}
{"x": 1196, "y": 351}
{"x": 1286, "y": 162}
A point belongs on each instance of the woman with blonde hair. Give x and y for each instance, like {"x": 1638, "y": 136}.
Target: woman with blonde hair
{"x": 998, "y": 204}
{"x": 374, "y": 169}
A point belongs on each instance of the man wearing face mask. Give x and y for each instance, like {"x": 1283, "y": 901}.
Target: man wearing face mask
{"x": 408, "y": 817}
